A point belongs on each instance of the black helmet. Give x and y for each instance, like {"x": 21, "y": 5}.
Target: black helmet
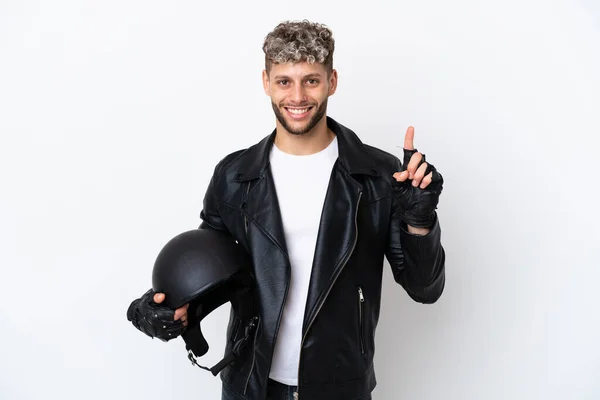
{"x": 206, "y": 268}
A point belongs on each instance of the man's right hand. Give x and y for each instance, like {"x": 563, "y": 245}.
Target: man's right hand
{"x": 148, "y": 316}
{"x": 180, "y": 313}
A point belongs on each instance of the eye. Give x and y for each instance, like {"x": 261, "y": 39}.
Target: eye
{"x": 282, "y": 82}
{"x": 313, "y": 81}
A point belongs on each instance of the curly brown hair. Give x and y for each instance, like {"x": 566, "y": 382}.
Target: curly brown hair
{"x": 297, "y": 41}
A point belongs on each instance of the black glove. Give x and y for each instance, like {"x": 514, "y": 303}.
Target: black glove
{"x": 153, "y": 319}
{"x": 418, "y": 204}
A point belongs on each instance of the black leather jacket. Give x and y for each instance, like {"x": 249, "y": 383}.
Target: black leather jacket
{"x": 359, "y": 226}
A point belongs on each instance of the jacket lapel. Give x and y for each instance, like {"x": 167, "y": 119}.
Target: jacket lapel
{"x": 336, "y": 238}
{"x": 265, "y": 236}
{"x": 261, "y": 207}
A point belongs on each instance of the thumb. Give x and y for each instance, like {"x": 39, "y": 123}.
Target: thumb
{"x": 159, "y": 297}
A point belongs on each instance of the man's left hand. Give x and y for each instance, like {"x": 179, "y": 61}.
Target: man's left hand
{"x": 418, "y": 186}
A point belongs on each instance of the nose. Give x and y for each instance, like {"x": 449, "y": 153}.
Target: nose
{"x": 298, "y": 95}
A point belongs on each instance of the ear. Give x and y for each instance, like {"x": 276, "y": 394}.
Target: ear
{"x": 266, "y": 83}
{"x": 333, "y": 80}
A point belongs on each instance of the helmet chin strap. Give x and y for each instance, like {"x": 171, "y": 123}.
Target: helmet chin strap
{"x": 196, "y": 345}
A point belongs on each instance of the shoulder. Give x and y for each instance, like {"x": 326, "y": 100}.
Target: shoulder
{"x": 240, "y": 160}
{"x": 229, "y": 159}
{"x": 382, "y": 158}
{"x": 379, "y": 158}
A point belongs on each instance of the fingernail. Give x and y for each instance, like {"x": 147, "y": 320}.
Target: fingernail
{"x": 410, "y": 175}
{"x": 415, "y": 183}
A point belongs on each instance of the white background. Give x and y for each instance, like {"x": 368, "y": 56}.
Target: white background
{"x": 113, "y": 114}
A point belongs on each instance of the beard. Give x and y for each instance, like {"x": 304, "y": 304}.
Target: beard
{"x": 306, "y": 128}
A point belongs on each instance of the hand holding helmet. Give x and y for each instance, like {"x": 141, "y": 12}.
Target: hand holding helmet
{"x": 196, "y": 272}
{"x": 155, "y": 320}
{"x": 180, "y": 313}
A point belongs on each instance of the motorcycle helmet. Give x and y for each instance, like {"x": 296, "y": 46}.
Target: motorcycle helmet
{"x": 206, "y": 268}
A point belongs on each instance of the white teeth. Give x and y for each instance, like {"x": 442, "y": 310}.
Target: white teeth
{"x": 297, "y": 110}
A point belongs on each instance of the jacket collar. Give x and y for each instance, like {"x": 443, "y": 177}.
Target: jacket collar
{"x": 353, "y": 155}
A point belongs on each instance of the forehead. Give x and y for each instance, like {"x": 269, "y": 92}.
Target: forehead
{"x": 297, "y": 70}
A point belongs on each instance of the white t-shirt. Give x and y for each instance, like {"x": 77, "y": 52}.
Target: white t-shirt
{"x": 301, "y": 184}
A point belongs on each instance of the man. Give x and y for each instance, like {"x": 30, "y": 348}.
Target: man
{"x": 318, "y": 211}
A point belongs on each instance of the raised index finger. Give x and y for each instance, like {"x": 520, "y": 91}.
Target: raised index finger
{"x": 408, "y": 139}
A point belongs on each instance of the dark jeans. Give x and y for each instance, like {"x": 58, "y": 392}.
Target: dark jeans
{"x": 279, "y": 391}
{"x": 275, "y": 391}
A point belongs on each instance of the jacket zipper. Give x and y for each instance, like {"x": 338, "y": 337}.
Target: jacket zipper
{"x": 253, "y": 355}
{"x": 245, "y": 217}
{"x": 258, "y": 321}
{"x": 361, "y": 301}
{"x": 297, "y": 393}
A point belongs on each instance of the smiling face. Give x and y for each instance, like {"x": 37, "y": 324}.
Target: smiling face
{"x": 299, "y": 93}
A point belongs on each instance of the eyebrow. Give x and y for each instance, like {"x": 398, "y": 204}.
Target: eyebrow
{"x": 313, "y": 75}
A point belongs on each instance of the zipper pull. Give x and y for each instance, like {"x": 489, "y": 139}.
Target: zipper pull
{"x": 360, "y": 295}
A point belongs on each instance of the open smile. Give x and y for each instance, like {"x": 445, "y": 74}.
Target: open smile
{"x": 298, "y": 112}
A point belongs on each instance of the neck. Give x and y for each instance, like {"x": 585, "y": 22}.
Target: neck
{"x": 313, "y": 141}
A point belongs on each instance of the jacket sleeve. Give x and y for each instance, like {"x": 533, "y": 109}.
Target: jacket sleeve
{"x": 417, "y": 262}
{"x": 211, "y": 219}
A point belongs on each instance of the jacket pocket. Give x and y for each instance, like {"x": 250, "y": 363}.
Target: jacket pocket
{"x": 361, "y": 319}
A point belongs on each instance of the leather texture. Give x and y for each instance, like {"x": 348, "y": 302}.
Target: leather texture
{"x": 153, "y": 319}
{"x": 361, "y": 224}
